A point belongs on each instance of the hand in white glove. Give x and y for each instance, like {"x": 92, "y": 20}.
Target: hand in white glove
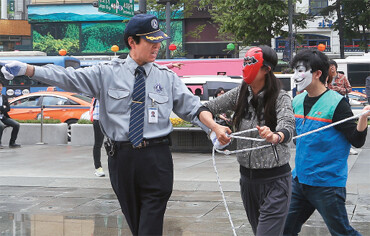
{"x": 11, "y": 69}
{"x": 215, "y": 141}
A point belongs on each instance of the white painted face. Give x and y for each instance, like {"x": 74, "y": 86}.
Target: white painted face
{"x": 302, "y": 77}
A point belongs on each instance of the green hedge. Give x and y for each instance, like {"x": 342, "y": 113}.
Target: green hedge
{"x": 46, "y": 121}
{"x": 84, "y": 122}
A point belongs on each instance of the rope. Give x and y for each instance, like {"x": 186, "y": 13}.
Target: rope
{"x": 234, "y": 135}
{"x": 222, "y": 192}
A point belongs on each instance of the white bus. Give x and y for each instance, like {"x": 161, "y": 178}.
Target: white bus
{"x": 22, "y": 54}
{"x": 205, "y": 86}
{"x": 356, "y": 68}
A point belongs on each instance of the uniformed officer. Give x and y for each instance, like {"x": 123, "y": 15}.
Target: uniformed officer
{"x": 141, "y": 173}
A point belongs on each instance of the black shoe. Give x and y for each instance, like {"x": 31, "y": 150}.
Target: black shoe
{"x": 14, "y": 145}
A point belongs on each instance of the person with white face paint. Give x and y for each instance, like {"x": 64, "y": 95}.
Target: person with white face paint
{"x": 320, "y": 173}
{"x": 265, "y": 174}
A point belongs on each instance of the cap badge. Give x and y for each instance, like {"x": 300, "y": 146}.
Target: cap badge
{"x": 154, "y": 24}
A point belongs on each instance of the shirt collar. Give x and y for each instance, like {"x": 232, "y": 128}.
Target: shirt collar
{"x": 132, "y": 65}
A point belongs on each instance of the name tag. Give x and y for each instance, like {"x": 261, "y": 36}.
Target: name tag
{"x": 153, "y": 115}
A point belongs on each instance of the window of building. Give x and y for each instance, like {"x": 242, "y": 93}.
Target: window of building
{"x": 316, "y": 6}
{"x": 309, "y": 41}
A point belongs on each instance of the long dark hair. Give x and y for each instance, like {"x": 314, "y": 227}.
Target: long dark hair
{"x": 272, "y": 88}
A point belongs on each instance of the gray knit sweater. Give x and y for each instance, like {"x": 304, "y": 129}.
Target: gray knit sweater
{"x": 270, "y": 157}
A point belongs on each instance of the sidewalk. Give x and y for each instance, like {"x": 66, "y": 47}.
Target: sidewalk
{"x": 52, "y": 190}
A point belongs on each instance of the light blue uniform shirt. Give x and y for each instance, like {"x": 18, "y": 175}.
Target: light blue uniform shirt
{"x": 112, "y": 84}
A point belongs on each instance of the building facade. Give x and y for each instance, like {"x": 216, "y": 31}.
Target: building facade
{"x": 78, "y": 27}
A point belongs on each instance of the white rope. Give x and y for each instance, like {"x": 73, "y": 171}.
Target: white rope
{"x": 222, "y": 192}
{"x": 234, "y": 135}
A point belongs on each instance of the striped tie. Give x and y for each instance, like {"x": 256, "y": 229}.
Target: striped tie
{"x": 137, "y": 108}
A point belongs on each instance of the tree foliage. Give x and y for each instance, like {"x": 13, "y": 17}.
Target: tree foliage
{"x": 251, "y": 21}
{"x": 355, "y": 19}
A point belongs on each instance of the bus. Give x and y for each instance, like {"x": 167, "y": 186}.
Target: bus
{"x": 21, "y": 85}
{"x": 205, "y": 86}
{"x": 204, "y": 76}
{"x": 356, "y": 68}
{"x": 229, "y": 67}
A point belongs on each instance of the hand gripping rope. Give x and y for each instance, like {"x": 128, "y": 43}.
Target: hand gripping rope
{"x": 235, "y": 135}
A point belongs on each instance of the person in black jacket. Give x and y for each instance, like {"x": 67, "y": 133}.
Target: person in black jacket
{"x": 5, "y": 120}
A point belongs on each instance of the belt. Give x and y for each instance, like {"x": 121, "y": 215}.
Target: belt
{"x": 145, "y": 143}
{"x": 264, "y": 173}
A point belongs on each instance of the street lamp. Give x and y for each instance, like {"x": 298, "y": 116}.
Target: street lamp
{"x": 62, "y": 52}
{"x": 115, "y": 49}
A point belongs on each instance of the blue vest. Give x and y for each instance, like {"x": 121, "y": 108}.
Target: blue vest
{"x": 321, "y": 157}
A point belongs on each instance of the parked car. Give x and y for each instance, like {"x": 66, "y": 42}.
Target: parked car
{"x": 64, "y": 106}
{"x": 357, "y": 98}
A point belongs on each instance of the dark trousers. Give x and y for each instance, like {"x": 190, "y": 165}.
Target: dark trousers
{"x": 12, "y": 123}
{"x": 329, "y": 202}
{"x": 266, "y": 202}
{"x": 142, "y": 180}
{"x": 98, "y": 142}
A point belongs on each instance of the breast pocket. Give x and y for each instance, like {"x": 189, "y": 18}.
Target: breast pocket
{"x": 161, "y": 101}
{"x": 118, "y": 101}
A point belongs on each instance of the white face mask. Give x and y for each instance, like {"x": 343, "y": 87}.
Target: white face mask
{"x": 302, "y": 77}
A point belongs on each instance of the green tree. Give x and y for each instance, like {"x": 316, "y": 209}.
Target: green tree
{"x": 352, "y": 21}
{"x": 250, "y": 22}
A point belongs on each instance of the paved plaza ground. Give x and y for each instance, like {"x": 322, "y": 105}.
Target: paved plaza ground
{"x": 52, "y": 190}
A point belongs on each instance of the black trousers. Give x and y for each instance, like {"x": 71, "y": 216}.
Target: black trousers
{"x": 143, "y": 181}
{"x": 12, "y": 123}
{"x": 98, "y": 143}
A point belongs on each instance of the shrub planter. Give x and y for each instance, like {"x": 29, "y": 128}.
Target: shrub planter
{"x": 31, "y": 134}
{"x": 82, "y": 134}
{"x": 190, "y": 139}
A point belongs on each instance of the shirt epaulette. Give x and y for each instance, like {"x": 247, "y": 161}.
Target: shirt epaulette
{"x": 161, "y": 67}
{"x": 117, "y": 61}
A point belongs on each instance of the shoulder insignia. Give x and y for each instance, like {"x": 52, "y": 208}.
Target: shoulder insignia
{"x": 117, "y": 61}
{"x": 161, "y": 67}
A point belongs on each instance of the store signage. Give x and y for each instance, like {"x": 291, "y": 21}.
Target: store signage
{"x": 117, "y": 7}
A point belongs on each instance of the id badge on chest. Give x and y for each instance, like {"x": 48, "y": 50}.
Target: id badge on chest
{"x": 153, "y": 114}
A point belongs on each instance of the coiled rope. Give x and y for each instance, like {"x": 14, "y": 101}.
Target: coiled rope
{"x": 235, "y": 135}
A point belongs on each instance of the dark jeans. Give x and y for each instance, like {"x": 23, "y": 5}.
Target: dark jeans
{"x": 328, "y": 201}
{"x": 98, "y": 142}
{"x": 12, "y": 123}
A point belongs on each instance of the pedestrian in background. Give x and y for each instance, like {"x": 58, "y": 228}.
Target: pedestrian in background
{"x": 5, "y": 120}
{"x": 139, "y": 158}
{"x": 321, "y": 169}
{"x": 223, "y": 118}
{"x": 338, "y": 81}
{"x": 265, "y": 174}
{"x": 367, "y": 89}
{"x": 98, "y": 138}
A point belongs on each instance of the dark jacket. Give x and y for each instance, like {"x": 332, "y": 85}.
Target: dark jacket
{"x": 5, "y": 107}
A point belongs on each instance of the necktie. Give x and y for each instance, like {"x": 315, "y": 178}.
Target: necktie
{"x": 137, "y": 108}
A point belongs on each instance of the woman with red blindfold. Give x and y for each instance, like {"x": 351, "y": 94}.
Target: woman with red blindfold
{"x": 265, "y": 174}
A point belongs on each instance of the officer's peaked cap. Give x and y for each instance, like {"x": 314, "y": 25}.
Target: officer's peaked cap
{"x": 147, "y": 27}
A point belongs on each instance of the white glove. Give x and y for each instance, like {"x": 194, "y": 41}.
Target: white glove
{"x": 215, "y": 141}
{"x": 11, "y": 69}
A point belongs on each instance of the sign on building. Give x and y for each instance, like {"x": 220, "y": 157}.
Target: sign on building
{"x": 117, "y": 7}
